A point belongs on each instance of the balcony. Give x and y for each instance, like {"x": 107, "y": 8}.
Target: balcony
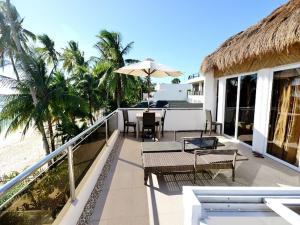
{"x": 192, "y": 76}
{"x": 195, "y": 92}
{"x": 195, "y": 96}
{"x": 97, "y": 178}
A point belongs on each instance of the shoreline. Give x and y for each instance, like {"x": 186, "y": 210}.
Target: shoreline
{"x": 18, "y": 152}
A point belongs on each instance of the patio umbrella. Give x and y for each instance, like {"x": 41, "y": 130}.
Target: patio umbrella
{"x": 148, "y": 68}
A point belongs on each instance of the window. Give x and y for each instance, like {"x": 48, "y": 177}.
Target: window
{"x": 230, "y": 106}
{"x": 284, "y": 124}
{"x": 246, "y": 108}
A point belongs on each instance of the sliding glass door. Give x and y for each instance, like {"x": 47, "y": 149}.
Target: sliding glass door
{"x": 284, "y": 124}
{"x": 246, "y": 108}
{"x": 240, "y": 99}
{"x": 230, "y": 106}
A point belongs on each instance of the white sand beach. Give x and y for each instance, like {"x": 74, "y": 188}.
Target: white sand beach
{"x": 17, "y": 152}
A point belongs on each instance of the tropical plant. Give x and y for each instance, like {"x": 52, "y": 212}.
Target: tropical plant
{"x": 176, "y": 81}
{"x": 53, "y": 99}
{"x": 112, "y": 53}
{"x": 73, "y": 58}
{"x": 47, "y": 50}
{"x": 13, "y": 37}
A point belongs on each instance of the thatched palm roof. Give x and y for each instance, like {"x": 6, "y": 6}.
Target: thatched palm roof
{"x": 273, "y": 41}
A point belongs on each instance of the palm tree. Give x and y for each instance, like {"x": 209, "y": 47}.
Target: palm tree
{"x": 54, "y": 100}
{"x": 112, "y": 53}
{"x": 87, "y": 86}
{"x": 19, "y": 110}
{"x": 48, "y": 51}
{"x": 73, "y": 58}
{"x": 14, "y": 37}
{"x": 18, "y": 40}
{"x": 66, "y": 105}
{"x": 175, "y": 81}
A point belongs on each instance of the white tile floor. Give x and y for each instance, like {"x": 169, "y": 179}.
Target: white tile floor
{"x": 126, "y": 200}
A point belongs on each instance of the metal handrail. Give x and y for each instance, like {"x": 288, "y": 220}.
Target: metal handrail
{"x": 195, "y": 92}
{"x": 67, "y": 146}
{"x": 194, "y": 75}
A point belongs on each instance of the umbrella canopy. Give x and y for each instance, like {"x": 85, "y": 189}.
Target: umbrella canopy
{"x": 148, "y": 68}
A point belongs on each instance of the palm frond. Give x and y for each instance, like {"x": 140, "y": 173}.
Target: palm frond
{"x": 8, "y": 82}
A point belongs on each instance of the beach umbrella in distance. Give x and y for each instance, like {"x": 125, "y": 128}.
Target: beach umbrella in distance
{"x": 148, "y": 68}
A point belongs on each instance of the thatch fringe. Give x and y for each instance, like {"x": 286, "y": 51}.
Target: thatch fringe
{"x": 273, "y": 41}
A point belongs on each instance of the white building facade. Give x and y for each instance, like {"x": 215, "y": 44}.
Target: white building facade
{"x": 171, "y": 92}
{"x": 252, "y": 85}
{"x": 266, "y": 117}
{"x": 196, "y": 93}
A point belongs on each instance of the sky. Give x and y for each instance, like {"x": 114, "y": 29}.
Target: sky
{"x": 176, "y": 33}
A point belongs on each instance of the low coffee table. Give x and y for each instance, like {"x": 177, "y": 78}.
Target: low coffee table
{"x": 172, "y": 146}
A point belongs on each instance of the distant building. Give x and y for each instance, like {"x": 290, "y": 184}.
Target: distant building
{"x": 171, "y": 92}
{"x": 196, "y": 93}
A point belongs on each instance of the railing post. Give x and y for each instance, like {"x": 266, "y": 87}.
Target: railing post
{"x": 106, "y": 132}
{"x": 71, "y": 173}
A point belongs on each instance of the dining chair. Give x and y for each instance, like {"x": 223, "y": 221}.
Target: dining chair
{"x": 149, "y": 124}
{"x": 162, "y": 122}
{"x": 211, "y": 123}
{"x": 127, "y": 123}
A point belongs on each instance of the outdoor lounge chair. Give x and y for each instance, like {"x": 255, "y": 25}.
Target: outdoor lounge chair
{"x": 210, "y": 159}
{"x": 178, "y": 162}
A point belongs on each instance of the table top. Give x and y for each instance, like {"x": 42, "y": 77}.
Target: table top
{"x": 167, "y": 146}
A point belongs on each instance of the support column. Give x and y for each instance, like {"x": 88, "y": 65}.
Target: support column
{"x": 210, "y": 92}
{"x": 221, "y": 101}
{"x": 262, "y": 110}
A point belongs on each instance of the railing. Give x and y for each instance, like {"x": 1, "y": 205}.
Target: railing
{"x": 176, "y": 119}
{"x": 50, "y": 189}
{"x": 194, "y": 76}
{"x": 195, "y": 92}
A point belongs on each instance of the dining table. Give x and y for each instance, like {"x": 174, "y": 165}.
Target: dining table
{"x": 139, "y": 123}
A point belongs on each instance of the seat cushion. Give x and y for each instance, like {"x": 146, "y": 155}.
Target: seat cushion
{"x": 130, "y": 123}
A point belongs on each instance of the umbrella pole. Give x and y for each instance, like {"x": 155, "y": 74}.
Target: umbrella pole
{"x": 148, "y": 91}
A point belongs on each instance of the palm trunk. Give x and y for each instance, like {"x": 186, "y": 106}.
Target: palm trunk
{"x": 14, "y": 66}
{"x": 44, "y": 137}
{"x": 90, "y": 110}
{"x": 51, "y": 135}
{"x": 21, "y": 52}
{"x": 118, "y": 91}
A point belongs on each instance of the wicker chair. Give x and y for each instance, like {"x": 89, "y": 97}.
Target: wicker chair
{"x": 127, "y": 123}
{"x": 149, "y": 124}
{"x": 162, "y": 121}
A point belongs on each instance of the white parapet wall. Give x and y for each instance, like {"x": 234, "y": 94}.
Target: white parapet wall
{"x": 202, "y": 204}
{"x": 176, "y": 119}
{"x": 196, "y": 99}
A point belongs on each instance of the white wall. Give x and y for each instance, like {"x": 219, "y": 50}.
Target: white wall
{"x": 176, "y": 119}
{"x": 171, "y": 92}
{"x": 210, "y": 92}
{"x": 196, "y": 99}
